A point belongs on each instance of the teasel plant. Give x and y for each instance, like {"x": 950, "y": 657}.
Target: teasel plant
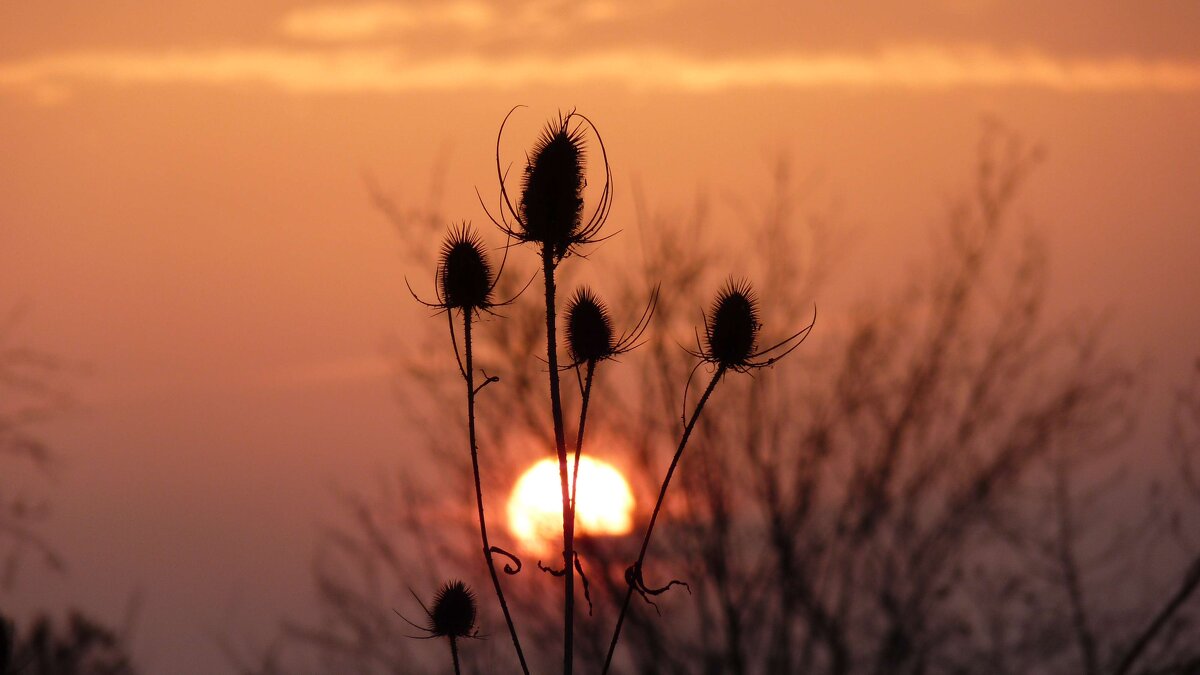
{"x": 465, "y": 284}
{"x": 549, "y": 215}
{"x": 452, "y": 616}
{"x": 730, "y": 344}
{"x": 592, "y": 339}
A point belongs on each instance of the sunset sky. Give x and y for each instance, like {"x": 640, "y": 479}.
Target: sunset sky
{"x": 184, "y": 217}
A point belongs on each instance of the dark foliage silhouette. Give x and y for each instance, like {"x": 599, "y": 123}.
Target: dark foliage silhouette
{"x": 30, "y": 393}
{"x": 80, "y": 647}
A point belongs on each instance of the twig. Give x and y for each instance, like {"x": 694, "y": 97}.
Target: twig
{"x": 635, "y": 578}
{"x": 583, "y": 410}
{"x": 1191, "y": 582}
{"x": 469, "y": 375}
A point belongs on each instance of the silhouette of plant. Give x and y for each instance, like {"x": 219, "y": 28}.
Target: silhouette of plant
{"x": 550, "y": 216}
{"x": 466, "y": 283}
{"x": 731, "y": 332}
{"x": 452, "y": 616}
{"x": 922, "y": 490}
{"x": 590, "y": 340}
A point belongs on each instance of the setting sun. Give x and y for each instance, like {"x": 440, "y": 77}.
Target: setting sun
{"x": 605, "y": 503}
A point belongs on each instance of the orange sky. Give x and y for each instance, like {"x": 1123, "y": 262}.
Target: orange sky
{"x": 182, "y": 206}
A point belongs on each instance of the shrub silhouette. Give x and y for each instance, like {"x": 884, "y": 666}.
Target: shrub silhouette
{"x": 81, "y": 647}
{"x": 30, "y": 392}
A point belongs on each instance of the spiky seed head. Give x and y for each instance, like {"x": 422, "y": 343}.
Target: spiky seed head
{"x": 465, "y": 273}
{"x": 552, "y": 195}
{"x": 589, "y": 328}
{"x": 453, "y": 611}
{"x": 733, "y": 325}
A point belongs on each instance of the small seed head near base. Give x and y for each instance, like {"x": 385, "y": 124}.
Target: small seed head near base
{"x": 453, "y": 612}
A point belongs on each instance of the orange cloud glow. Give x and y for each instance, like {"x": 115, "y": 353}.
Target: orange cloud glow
{"x": 367, "y": 20}
{"x": 385, "y": 70}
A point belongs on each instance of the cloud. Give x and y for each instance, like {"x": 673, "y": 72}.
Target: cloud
{"x": 389, "y": 70}
{"x": 361, "y": 22}
{"x": 338, "y": 23}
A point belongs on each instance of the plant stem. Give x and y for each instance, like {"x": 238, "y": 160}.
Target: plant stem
{"x": 587, "y": 393}
{"x": 561, "y": 448}
{"x": 454, "y": 654}
{"x": 487, "y": 548}
{"x": 662, "y": 493}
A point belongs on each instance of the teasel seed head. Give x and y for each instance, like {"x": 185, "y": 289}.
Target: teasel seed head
{"x": 465, "y": 276}
{"x": 453, "y": 612}
{"x": 590, "y": 334}
{"x": 551, "y": 210}
{"x": 733, "y": 325}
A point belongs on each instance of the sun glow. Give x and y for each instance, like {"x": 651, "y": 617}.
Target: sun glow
{"x": 604, "y": 504}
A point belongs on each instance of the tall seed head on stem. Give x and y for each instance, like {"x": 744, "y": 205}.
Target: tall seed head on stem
{"x": 551, "y": 210}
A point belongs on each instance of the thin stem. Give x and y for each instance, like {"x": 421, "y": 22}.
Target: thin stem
{"x": 469, "y": 375}
{"x": 662, "y": 493}
{"x": 1070, "y": 569}
{"x": 454, "y": 654}
{"x": 587, "y": 392}
{"x": 560, "y": 443}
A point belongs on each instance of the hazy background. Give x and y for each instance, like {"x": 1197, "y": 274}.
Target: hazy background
{"x": 183, "y": 209}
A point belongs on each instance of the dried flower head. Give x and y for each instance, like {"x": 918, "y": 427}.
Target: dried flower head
{"x": 731, "y": 332}
{"x": 464, "y": 279}
{"x": 453, "y": 612}
{"x": 464, "y": 274}
{"x": 589, "y": 329}
{"x": 550, "y": 211}
{"x": 552, "y": 193}
{"x": 732, "y": 327}
{"x": 590, "y": 334}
